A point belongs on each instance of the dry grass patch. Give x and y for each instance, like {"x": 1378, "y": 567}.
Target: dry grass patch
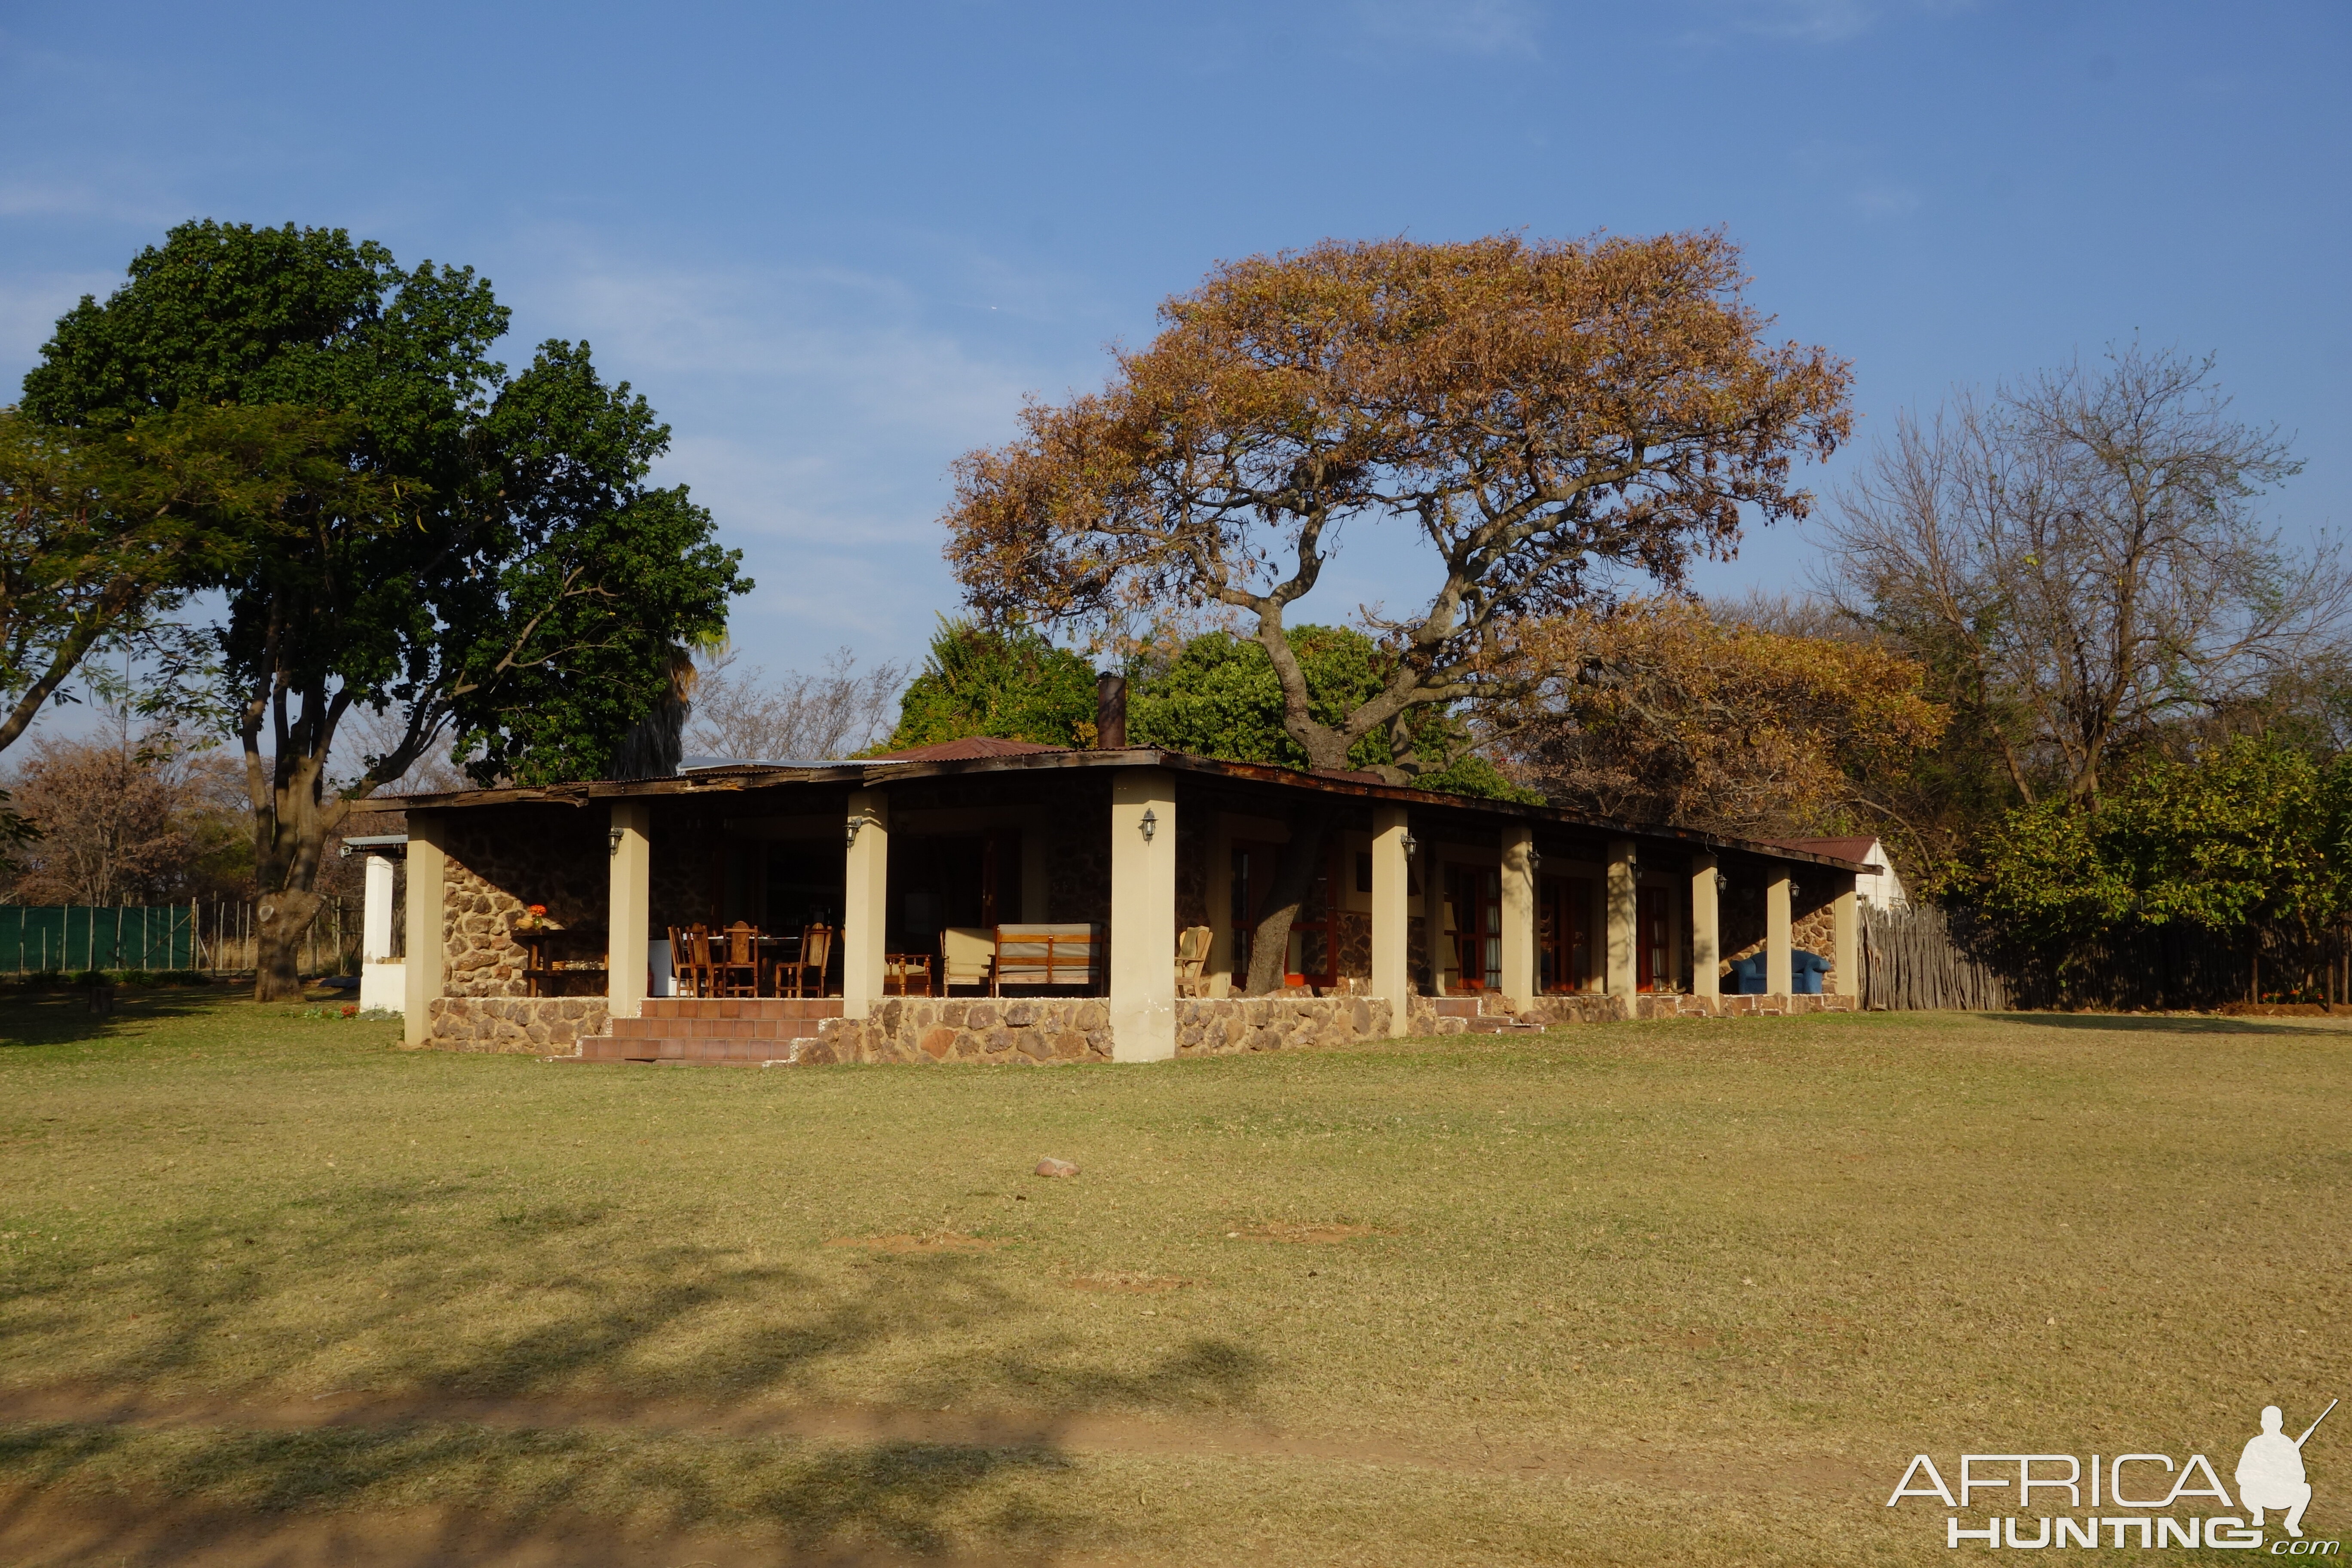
{"x": 938, "y": 1241}
{"x": 1302, "y": 1234}
{"x": 1127, "y": 1284}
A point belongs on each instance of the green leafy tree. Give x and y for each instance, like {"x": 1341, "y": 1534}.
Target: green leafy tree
{"x": 2251, "y": 833}
{"x": 1219, "y": 696}
{"x": 1007, "y": 682}
{"x": 476, "y": 553}
{"x": 103, "y": 532}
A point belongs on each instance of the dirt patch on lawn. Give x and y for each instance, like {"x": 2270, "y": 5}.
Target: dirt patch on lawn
{"x": 942, "y": 1241}
{"x": 1304, "y": 1235}
{"x": 1127, "y": 1284}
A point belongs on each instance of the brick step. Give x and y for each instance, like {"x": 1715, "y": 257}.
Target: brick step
{"x": 1504, "y": 1026}
{"x": 713, "y": 1028}
{"x": 608, "y": 1049}
{"x": 1456, "y": 1006}
{"x": 808, "y": 1008}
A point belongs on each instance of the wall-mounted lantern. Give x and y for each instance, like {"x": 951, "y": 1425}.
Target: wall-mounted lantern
{"x": 1722, "y": 882}
{"x": 615, "y": 837}
{"x": 1150, "y": 824}
{"x": 854, "y": 823}
{"x": 1412, "y": 845}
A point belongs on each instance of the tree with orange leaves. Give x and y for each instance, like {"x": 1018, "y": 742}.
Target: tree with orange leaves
{"x": 1543, "y": 415}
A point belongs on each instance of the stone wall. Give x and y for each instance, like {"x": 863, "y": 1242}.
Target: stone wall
{"x": 1227, "y": 1026}
{"x": 527, "y": 1025}
{"x": 1018, "y": 1031}
{"x": 1812, "y": 926}
{"x": 502, "y": 858}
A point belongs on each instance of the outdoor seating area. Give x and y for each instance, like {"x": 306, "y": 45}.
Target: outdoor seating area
{"x": 741, "y": 959}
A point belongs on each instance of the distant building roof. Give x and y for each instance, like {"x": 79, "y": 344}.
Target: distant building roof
{"x": 1852, "y": 849}
{"x": 964, "y": 749}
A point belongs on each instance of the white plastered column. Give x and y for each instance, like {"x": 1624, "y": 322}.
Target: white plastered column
{"x": 376, "y": 911}
{"x": 426, "y": 898}
{"x": 1845, "y": 945}
{"x": 1391, "y": 915}
{"x": 865, "y": 897}
{"x": 1619, "y": 909}
{"x": 1777, "y": 948}
{"x": 630, "y": 909}
{"x": 1707, "y": 930}
{"x": 1142, "y": 915}
{"x": 1519, "y": 844}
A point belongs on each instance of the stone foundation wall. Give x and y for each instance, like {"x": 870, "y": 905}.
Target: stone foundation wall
{"x": 1227, "y": 1026}
{"x": 525, "y": 1025}
{"x": 1015, "y": 1030}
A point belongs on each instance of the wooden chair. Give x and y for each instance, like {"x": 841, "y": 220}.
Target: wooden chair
{"x": 735, "y": 967}
{"x": 967, "y": 957}
{"x": 804, "y": 974}
{"x": 906, "y": 975}
{"x": 685, "y": 972}
{"x": 1192, "y": 955}
{"x": 698, "y": 960}
{"x": 1042, "y": 956}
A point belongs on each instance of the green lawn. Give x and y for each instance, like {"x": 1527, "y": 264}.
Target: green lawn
{"x": 273, "y": 1290}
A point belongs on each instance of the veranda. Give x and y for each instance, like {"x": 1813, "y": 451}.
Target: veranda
{"x": 1430, "y": 912}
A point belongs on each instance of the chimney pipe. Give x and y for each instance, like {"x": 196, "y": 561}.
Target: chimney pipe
{"x": 1110, "y": 712}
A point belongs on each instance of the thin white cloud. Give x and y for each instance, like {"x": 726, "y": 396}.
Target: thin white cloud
{"x": 1823, "y": 22}
{"x": 29, "y": 308}
{"x": 1456, "y": 27}
{"x": 816, "y": 413}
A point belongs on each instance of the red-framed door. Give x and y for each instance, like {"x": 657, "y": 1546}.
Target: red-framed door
{"x": 1564, "y": 933}
{"x": 1473, "y": 894}
{"x": 1653, "y": 939}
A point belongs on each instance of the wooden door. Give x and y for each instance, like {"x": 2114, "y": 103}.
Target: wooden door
{"x": 1474, "y": 897}
{"x": 1654, "y": 968}
{"x": 1564, "y": 933}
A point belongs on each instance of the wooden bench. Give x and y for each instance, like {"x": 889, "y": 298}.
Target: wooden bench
{"x": 1044, "y": 955}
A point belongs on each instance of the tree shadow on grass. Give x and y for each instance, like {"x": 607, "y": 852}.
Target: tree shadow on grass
{"x": 602, "y": 1381}
{"x": 63, "y": 1018}
{"x": 2173, "y": 1024}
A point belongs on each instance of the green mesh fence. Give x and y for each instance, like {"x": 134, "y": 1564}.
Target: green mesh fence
{"x": 134, "y": 936}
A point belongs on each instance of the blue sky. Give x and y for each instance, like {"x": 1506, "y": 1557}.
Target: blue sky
{"x": 836, "y": 245}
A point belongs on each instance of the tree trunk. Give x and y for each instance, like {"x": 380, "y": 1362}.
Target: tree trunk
{"x": 280, "y": 923}
{"x": 1301, "y": 858}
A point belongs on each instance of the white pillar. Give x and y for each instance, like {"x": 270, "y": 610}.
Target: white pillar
{"x": 1142, "y": 915}
{"x": 866, "y": 893}
{"x": 1707, "y": 930}
{"x": 1391, "y": 915}
{"x": 1518, "y": 844}
{"x": 1776, "y": 933}
{"x": 375, "y": 912}
{"x": 629, "y": 909}
{"x": 1619, "y": 909}
{"x": 426, "y": 896}
{"x": 1846, "y": 948}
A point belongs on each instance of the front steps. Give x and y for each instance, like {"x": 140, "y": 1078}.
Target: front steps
{"x": 748, "y": 1031}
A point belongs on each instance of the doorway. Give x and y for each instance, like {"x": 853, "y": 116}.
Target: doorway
{"x": 1473, "y": 921}
{"x": 1652, "y": 948}
{"x": 1564, "y": 933}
